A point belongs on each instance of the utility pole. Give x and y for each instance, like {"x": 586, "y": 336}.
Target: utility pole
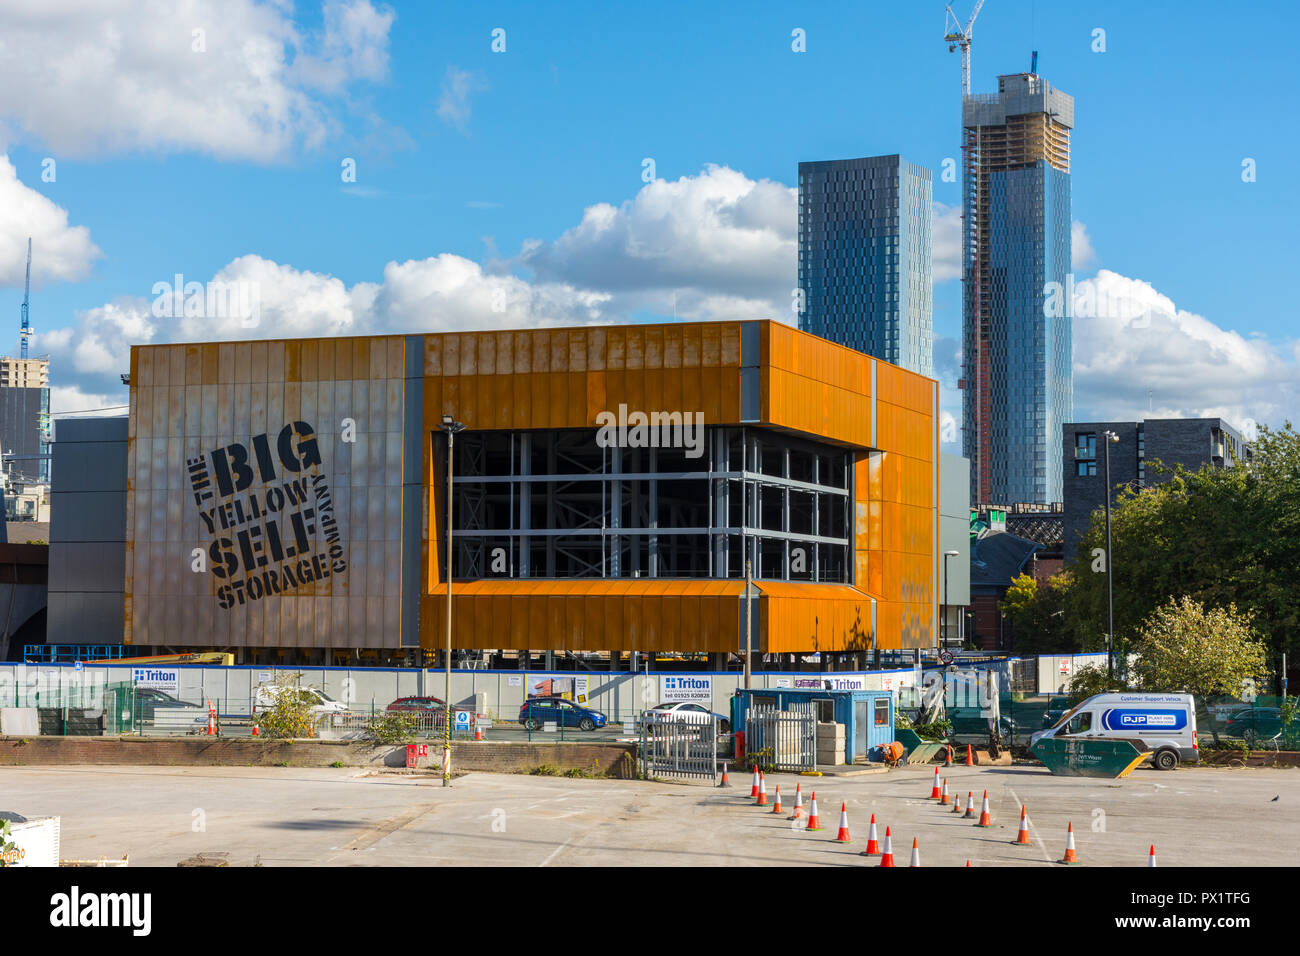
{"x": 451, "y": 427}
{"x": 1109, "y": 438}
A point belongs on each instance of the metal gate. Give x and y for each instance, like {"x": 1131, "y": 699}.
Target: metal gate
{"x": 782, "y": 739}
{"x": 676, "y": 747}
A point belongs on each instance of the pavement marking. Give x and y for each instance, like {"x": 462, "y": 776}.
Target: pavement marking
{"x": 1047, "y": 857}
{"x": 552, "y": 854}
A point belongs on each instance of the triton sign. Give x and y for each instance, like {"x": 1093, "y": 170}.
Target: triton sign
{"x": 264, "y": 512}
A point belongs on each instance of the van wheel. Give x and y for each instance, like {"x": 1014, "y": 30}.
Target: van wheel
{"x": 1166, "y": 760}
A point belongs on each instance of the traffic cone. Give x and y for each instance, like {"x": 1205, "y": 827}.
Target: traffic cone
{"x": 843, "y": 835}
{"x": 873, "y": 845}
{"x": 725, "y": 781}
{"x": 1070, "y": 855}
{"x": 916, "y": 853}
{"x": 257, "y": 731}
{"x": 753, "y": 791}
{"x": 985, "y": 820}
{"x": 798, "y": 803}
{"x": 478, "y": 732}
{"x": 956, "y": 803}
{"x": 1022, "y": 836}
{"x": 887, "y": 857}
{"x": 762, "y": 790}
{"x": 970, "y": 805}
{"x": 814, "y": 821}
{"x": 1151, "y": 857}
{"x": 968, "y": 862}
{"x": 944, "y": 799}
{"x": 970, "y": 762}
{"x": 212, "y": 720}
{"x": 947, "y": 760}
{"x": 934, "y": 790}
{"x": 776, "y": 807}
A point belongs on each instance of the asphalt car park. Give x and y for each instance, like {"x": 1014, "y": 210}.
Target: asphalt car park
{"x": 291, "y": 816}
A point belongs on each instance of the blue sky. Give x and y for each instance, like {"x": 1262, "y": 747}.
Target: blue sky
{"x": 495, "y": 157}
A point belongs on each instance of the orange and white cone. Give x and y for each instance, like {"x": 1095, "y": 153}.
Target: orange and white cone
{"x": 956, "y": 803}
{"x": 478, "y": 732}
{"x": 814, "y": 821}
{"x": 212, "y": 720}
{"x": 1070, "y": 855}
{"x": 725, "y": 782}
{"x": 753, "y": 791}
{"x": 257, "y": 731}
{"x": 873, "y": 845}
{"x": 1151, "y": 857}
{"x": 944, "y": 799}
{"x": 970, "y": 762}
{"x": 798, "y": 803}
{"x": 1022, "y": 835}
{"x": 947, "y": 760}
{"x": 843, "y": 835}
{"x": 934, "y": 790}
{"x": 970, "y": 805}
{"x": 887, "y": 857}
{"x": 968, "y": 862}
{"x": 776, "y": 807}
{"x": 916, "y": 853}
{"x": 985, "y": 819}
{"x": 762, "y": 790}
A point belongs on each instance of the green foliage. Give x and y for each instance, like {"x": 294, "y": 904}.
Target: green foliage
{"x": 902, "y": 721}
{"x": 7, "y": 845}
{"x": 1091, "y": 679}
{"x": 763, "y": 759}
{"x": 1185, "y": 646}
{"x": 393, "y": 727}
{"x": 1039, "y": 615}
{"x": 1221, "y": 536}
{"x": 934, "y": 730}
{"x": 290, "y": 715}
{"x": 545, "y": 770}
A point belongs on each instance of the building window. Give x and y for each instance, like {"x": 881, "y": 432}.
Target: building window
{"x": 1085, "y": 469}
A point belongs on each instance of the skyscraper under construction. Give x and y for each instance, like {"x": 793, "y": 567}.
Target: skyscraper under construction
{"x": 1017, "y": 384}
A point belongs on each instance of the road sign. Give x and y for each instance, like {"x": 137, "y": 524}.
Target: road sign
{"x": 945, "y": 656}
{"x": 462, "y": 720}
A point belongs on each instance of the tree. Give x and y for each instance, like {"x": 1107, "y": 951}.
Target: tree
{"x": 1221, "y": 536}
{"x": 290, "y": 714}
{"x": 1038, "y": 615}
{"x": 1189, "y": 648}
{"x": 1091, "y": 679}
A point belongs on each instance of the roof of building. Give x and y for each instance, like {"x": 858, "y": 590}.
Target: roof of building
{"x": 998, "y": 557}
{"x": 24, "y": 532}
{"x": 1047, "y": 529}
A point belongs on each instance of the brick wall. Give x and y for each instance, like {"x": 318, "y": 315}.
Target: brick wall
{"x": 613, "y": 759}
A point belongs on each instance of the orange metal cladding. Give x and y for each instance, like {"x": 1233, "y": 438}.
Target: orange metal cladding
{"x": 562, "y": 378}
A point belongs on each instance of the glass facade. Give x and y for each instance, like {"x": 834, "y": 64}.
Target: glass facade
{"x": 556, "y": 504}
{"x": 865, "y": 257}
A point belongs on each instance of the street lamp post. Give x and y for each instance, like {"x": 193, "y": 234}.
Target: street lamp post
{"x": 946, "y": 556}
{"x": 1109, "y": 438}
{"x": 451, "y": 427}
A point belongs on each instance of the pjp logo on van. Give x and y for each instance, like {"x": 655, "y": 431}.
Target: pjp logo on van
{"x": 1163, "y": 719}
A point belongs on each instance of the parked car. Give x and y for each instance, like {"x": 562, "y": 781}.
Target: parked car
{"x": 693, "y": 713}
{"x": 265, "y": 695}
{"x": 1252, "y": 724}
{"x": 417, "y": 705}
{"x": 1056, "y": 708}
{"x": 147, "y": 700}
{"x": 536, "y": 711}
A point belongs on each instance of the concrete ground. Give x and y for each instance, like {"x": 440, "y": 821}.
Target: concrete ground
{"x": 292, "y": 817}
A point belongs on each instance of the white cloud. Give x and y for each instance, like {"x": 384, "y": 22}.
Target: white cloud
{"x": 59, "y": 252}
{"x": 715, "y": 239}
{"x": 1081, "y": 252}
{"x": 233, "y": 78}
{"x": 457, "y": 87}
{"x": 945, "y": 240}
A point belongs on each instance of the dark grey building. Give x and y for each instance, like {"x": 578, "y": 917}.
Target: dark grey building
{"x": 1190, "y": 442}
{"x": 865, "y": 257}
{"x": 87, "y": 578}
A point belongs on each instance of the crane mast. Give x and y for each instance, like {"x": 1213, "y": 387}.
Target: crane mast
{"x": 25, "y": 329}
{"x": 959, "y": 37}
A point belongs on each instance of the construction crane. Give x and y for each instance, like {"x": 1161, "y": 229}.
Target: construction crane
{"x": 958, "y": 36}
{"x": 25, "y": 329}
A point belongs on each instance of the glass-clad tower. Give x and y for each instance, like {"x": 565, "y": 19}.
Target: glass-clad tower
{"x": 865, "y": 258}
{"x": 1017, "y": 383}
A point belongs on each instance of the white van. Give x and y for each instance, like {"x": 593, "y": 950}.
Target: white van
{"x": 322, "y": 703}
{"x": 1166, "y": 723}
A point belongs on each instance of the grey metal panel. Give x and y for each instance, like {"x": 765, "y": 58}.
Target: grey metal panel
{"x": 411, "y": 518}
{"x": 750, "y": 345}
{"x": 87, "y": 516}
{"x": 750, "y": 394}
{"x": 89, "y": 466}
{"x": 78, "y": 617}
{"x": 100, "y": 429}
{"x": 88, "y": 566}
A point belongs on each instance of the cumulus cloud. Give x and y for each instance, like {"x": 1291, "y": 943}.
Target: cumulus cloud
{"x": 232, "y": 78}
{"x": 59, "y": 252}
{"x": 457, "y": 87}
{"x": 719, "y": 240}
{"x": 1081, "y": 252}
{"x": 945, "y": 240}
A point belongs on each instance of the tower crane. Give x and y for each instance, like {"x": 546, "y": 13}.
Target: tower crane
{"x": 958, "y": 36}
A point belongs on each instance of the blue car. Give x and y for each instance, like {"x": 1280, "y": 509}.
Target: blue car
{"x": 536, "y": 711}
